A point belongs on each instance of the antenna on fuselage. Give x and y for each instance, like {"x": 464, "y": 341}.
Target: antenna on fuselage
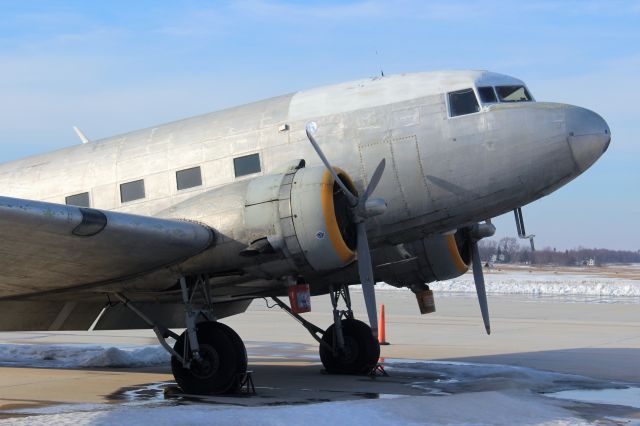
{"x": 81, "y": 135}
{"x": 380, "y": 64}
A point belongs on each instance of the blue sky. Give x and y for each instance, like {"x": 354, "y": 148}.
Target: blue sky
{"x": 111, "y": 67}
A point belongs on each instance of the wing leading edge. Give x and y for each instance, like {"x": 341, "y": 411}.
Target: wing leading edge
{"x": 52, "y": 247}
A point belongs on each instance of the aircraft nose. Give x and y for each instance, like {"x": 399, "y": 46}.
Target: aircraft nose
{"x": 588, "y": 134}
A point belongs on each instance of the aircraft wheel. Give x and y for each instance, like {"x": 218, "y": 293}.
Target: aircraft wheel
{"x": 361, "y": 352}
{"x": 218, "y": 369}
{"x": 240, "y": 354}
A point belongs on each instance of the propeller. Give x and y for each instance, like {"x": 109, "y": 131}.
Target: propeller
{"x": 361, "y": 209}
{"x": 478, "y": 232}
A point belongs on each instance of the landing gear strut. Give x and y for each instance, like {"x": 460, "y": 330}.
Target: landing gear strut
{"x": 208, "y": 357}
{"x": 347, "y": 346}
{"x": 354, "y": 349}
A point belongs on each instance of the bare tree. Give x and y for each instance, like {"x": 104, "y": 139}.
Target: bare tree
{"x": 514, "y": 252}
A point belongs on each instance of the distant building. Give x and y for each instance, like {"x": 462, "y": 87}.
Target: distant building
{"x": 586, "y": 262}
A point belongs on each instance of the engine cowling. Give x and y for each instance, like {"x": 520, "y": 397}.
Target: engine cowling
{"x": 322, "y": 231}
{"x": 437, "y": 258}
{"x": 300, "y": 215}
{"x": 303, "y": 215}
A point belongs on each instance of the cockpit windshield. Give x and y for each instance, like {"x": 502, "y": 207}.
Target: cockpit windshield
{"x": 487, "y": 95}
{"x": 463, "y": 102}
{"x": 513, "y": 94}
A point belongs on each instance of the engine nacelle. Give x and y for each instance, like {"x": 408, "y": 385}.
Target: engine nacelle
{"x": 297, "y": 221}
{"x": 318, "y": 228}
{"x": 304, "y": 214}
{"x": 437, "y": 258}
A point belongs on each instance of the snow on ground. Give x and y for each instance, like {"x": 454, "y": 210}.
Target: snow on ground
{"x": 539, "y": 284}
{"x": 463, "y": 409}
{"x": 501, "y": 395}
{"x": 544, "y": 285}
{"x": 454, "y": 393}
{"x": 74, "y": 356}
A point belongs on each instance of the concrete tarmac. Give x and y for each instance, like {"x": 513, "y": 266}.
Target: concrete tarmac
{"x": 598, "y": 340}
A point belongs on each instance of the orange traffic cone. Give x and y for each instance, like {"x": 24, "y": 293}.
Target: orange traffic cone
{"x": 381, "y": 328}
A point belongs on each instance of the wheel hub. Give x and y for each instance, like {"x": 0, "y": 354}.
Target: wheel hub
{"x": 350, "y": 352}
{"x": 208, "y": 364}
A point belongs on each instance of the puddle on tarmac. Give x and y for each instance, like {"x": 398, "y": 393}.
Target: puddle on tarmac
{"x": 154, "y": 392}
{"x": 168, "y": 393}
{"x": 438, "y": 379}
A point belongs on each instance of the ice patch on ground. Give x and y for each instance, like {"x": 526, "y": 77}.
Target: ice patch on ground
{"x": 455, "y": 393}
{"x": 629, "y": 397}
{"x": 74, "y": 356}
{"x": 449, "y": 377}
{"x": 463, "y": 409}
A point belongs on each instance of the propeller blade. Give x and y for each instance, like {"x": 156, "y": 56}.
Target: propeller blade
{"x": 375, "y": 180}
{"x": 478, "y": 277}
{"x": 358, "y": 205}
{"x": 366, "y": 277}
{"x": 311, "y": 128}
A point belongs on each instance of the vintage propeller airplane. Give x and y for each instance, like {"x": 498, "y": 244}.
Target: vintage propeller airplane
{"x": 389, "y": 179}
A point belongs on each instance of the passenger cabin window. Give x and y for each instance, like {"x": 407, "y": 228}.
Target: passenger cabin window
{"x": 132, "y": 191}
{"x": 79, "y": 200}
{"x": 513, "y": 94}
{"x": 463, "y": 102}
{"x": 487, "y": 95}
{"x": 188, "y": 178}
{"x": 246, "y": 165}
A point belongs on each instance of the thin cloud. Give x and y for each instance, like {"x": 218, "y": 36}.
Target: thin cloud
{"x": 289, "y": 11}
{"x": 203, "y": 22}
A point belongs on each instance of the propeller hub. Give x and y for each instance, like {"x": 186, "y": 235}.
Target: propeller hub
{"x": 374, "y": 207}
{"x": 482, "y": 230}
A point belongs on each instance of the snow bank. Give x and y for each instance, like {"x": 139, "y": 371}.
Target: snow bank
{"x": 74, "y": 356}
{"x": 537, "y": 284}
{"x": 540, "y": 285}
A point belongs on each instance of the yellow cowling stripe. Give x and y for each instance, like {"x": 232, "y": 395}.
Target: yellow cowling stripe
{"x": 345, "y": 254}
{"x": 455, "y": 254}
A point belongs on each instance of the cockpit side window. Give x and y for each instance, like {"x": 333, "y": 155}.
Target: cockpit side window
{"x": 513, "y": 94}
{"x": 463, "y": 102}
{"x": 487, "y": 95}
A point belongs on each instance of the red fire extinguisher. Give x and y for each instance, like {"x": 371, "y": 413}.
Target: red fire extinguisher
{"x": 300, "y": 298}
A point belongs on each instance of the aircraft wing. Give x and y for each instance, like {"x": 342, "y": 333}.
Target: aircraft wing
{"x": 46, "y": 247}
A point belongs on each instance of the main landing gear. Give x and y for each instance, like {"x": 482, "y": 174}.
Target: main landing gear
{"x": 347, "y": 346}
{"x": 218, "y": 366}
{"x": 208, "y": 357}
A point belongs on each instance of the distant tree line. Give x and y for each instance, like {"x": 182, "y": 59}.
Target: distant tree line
{"x": 509, "y": 250}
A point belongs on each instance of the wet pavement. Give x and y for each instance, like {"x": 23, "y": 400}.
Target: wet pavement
{"x": 547, "y": 361}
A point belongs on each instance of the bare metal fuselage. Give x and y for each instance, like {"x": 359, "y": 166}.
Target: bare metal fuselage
{"x": 442, "y": 172}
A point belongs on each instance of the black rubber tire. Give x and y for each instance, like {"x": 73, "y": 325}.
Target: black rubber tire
{"x": 240, "y": 352}
{"x": 219, "y": 371}
{"x": 362, "y": 350}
